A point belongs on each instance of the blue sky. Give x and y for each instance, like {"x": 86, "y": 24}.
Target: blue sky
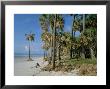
{"x": 26, "y": 23}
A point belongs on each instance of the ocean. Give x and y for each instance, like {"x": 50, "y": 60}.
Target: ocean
{"x": 26, "y": 56}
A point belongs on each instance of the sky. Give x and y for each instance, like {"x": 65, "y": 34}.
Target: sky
{"x": 26, "y": 23}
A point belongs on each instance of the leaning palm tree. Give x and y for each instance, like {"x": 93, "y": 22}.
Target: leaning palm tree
{"x": 30, "y": 37}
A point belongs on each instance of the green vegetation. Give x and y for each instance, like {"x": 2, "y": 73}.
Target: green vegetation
{"x": 63, "y": 50}
{"x": 76, "y": 62}
{"x": 86, "y": 67}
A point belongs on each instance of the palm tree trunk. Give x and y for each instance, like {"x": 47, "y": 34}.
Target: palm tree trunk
{"x": 54, "y": 43}
{"x": 44, "y": 54}
{"x": 59, "y": 58}
{"x": 74, "y": 42}
{"x": 74, "y": 35}
{"x": 51, "y": 51}
{"x": 83, "y": 53}
{"x": 83, "y": 50}
{"x": 50, "y": 55}
{"x": 71, "y": 50}
{"x": 29, "y": 53}
{"x": 83, "y": 22}
{"x": 29, "y": 50}
{"x": 92, "y": 53}
{"x": 51, "y": 48}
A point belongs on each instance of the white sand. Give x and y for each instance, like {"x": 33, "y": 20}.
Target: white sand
{"x": 22, "y": 67}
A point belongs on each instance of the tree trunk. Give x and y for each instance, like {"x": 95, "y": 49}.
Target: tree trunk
{"x": 71, "y": 50}
{"x": 83, "y": 22}
{"x": 54, "y": 43}
{"x": 92, "y": 53}
{"x": 51, "y": 45}
{"x": 74, "y": 35}
{"x": 83, "y": 53}
{"x": 83, "y": 50}
{"x": 74, "y": 45}
{"x": 29, "y": 54}
{"x": 49, "y": 55}
{"x": 71, "y": 53}
{"x": 44, "y": 54}
{"x": 71, "y": 45}
{"x": 29, "y": 50}
{"x": 59, "y": 58}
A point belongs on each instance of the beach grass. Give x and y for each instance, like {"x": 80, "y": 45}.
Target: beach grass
{"x": 84, "y": 67}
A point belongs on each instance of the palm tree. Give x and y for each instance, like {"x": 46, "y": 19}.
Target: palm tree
{"x": 91, "y": 40}
{"x": 30, "y": 38}
{"x": 91, "y": 25}
{"x": 83, "y": 25}
{"x": 72, "y": 34}
{"x": 59, "y": 28}
{"x": 75, "y": 27}
{"x": 54, "y": 42}
{"x": 47, "y": 24}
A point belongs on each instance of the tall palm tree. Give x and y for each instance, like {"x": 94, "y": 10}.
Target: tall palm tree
{"x": 54, "y": 42}
{"x": 83, "y": 49}
{"x": 59, "y": 28}
{"x": 73, "y": 30}
{"x": 30, "y": 37}
{"x": 91, "y": 26}
{"x": 82, "y": 29}
{"x": 76, "y": 26}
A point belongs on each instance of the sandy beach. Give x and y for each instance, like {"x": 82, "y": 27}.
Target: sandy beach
{"x": 22, "y": 67}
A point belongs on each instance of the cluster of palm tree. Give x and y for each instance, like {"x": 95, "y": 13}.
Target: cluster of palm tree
{"x": 58, "y": 44}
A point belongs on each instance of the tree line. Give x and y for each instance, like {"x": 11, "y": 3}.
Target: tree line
{"x": 60, "y": 45}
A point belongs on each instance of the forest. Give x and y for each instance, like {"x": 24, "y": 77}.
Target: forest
{"x": 65, "y": 51}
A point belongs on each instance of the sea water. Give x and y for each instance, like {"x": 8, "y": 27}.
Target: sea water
{"x": 26, "y": 56}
